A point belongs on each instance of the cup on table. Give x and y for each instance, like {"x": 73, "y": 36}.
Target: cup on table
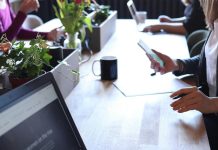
{"x": 108, "y": 68}
{"x": 141, "y": 16}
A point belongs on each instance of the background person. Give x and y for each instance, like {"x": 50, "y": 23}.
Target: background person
{"x": 192, "y": 20}
{"x": 11, "y": 25}
{"x": 204, "y": 66}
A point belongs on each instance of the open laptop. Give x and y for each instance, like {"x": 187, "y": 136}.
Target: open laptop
{"x": 66, "y": 73}
{"x": 34, "y": 116}
{"x": 133, "y": 12}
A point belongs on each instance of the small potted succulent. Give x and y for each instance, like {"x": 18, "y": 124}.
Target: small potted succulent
{"x": 22, "y": 61}
{"x": 103, "y": 25}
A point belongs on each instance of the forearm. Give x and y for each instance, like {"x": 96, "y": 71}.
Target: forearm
{"x": 14, "y": 29}
{"x": 176, "y": 28}
{"x": 213, "y": 104}
{"x": 187, "y": 66}
{"x": 178, "y": 20}
{"x": 25, "y": 34}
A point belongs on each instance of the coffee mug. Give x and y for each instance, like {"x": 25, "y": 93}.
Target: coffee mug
{"x": 108, "y": 65}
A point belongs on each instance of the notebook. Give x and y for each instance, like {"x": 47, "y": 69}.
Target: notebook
{"x": 133, "y": 12}
{"x": 34, "y": 116}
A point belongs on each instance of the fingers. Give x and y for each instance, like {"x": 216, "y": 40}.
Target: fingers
{"x": 183, "y": 102}
{"x": 188, "y": 102}
{"x": 188, "y": 108}
{"x": 147, "y": 29}
{"x": 164, "y": 18}
{"x": 28, "y": 6}
{"x": 184, "y": 91}
{"x": 154, "y": 64}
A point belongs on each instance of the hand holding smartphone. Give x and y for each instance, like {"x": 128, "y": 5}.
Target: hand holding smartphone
{"x": 150, "y": 52}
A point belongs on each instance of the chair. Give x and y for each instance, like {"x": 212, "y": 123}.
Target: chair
{"x": 196, "y": 49}
{"x": 195, "y": 37}
{"x": 32, "y": 21}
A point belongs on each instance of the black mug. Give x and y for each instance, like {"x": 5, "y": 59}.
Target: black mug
{"x": 108, "y": 65}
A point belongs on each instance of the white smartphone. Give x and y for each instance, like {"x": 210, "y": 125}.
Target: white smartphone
{"x": 144, "y": 46}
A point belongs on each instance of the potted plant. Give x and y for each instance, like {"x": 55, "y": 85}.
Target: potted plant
{"x": 103, "y": 25}
{"x": 23, "y": 62}
{"x": 73, "y": 19}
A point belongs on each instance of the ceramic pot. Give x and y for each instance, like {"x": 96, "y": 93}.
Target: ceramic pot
{"x": 15, "y": 82}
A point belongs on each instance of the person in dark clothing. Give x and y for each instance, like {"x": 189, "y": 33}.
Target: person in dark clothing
{"x": 192, "y": 20}
{"x": 204, "y": 66}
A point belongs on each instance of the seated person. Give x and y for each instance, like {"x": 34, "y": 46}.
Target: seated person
{"x": 11, "y": 25}
{"x": 193, "y": 20}
{"x": 204, "y": 66}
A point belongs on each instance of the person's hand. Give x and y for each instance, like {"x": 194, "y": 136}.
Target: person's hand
{"x": 194, "y": 99}
{"x": 163, "y": 18}
{"x": 28, "y": 6}
{"x": 55, "y": 34}
{"x": 153, "y": 28}
{"x": 169, "y": 64}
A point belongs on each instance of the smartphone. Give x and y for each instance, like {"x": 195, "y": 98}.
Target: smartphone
{"x": 144, "y": 46}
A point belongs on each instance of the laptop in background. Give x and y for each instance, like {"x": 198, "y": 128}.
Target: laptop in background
{"x": 34, "y": 116}
{"x": 138, "y": 18}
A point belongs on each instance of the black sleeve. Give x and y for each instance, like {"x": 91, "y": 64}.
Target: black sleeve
{"x": 195, "y": 18}
{"x": 191, "y": 66}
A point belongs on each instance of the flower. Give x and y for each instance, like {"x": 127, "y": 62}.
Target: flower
{"x": 72, "y": 17}
{"x": 21, "y": 61}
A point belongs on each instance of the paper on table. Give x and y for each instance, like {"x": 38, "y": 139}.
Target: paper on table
{"x": 149, "y": 85}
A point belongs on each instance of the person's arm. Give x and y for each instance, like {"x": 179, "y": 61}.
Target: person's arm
{"x": 178, "y": 67}
{"x": 14, "y": 29}
{"x": 25, "y": 34}
{"x": 164, "y": 18}
{"x": 176, "y": 28}
{"x": 194, "y": 99}
{"x": 187, "y": 66}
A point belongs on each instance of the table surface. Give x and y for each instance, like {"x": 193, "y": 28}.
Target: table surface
{"x": 109, "y": 118}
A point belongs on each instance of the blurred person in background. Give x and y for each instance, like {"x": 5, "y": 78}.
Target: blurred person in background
{"x": 11, "y": 24}
{"x": 192, "y": 20}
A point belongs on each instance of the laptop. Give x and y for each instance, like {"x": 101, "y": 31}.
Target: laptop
{"x": 34, "y": 116}
{"x": 66, "y": 73}
{"x": 132, "y": 9}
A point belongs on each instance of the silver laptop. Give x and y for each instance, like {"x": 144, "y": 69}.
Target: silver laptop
{"x": 134, "y": 13}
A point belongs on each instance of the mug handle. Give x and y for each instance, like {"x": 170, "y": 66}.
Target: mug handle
{"x": 93, "y": 68}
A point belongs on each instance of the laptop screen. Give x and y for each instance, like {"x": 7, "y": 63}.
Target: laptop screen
{"x": 38, "y": 119}
{"x": 133, "y": 11}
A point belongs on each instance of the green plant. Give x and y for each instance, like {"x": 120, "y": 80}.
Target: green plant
{"x": 72, "y": 17}
{"x": 102, "y": 12}
{"x": 23, "y": 61}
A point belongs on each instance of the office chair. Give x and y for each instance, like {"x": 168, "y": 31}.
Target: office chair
{"x": 196, "y": 49}
{"x": 196, "y": 37}
{"x": 32, "y": 21}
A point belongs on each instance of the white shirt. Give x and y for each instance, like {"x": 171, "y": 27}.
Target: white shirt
{"x": 211, "y": 53}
